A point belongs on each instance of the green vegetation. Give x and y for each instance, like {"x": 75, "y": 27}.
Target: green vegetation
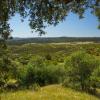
{"x": 43, "y": 12}
{"x": 80, "y": 67}
{"x": 52, "y": 92}
{"x": 31, "y": 66}
{"x": 20, "y": 41}
{"x": 41, "y": 71}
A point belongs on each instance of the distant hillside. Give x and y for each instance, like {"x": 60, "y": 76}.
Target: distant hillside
{"x": 52, "y": 40}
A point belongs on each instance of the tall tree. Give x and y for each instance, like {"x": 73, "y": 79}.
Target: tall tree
{"x": 43, "y": 12}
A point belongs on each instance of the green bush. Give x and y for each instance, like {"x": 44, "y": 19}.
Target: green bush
{"x": 95, "y": 77}
{"x": 80, "y": 67}
{"x": 8, "y": 70}
{"x": 34, "y": 87}
{"x": 40, "y": 71}
{"x": 11, "y": 84}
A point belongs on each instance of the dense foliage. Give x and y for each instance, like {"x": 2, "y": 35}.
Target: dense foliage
{"x": 41, "y": 72}
{"x": 43, "y": 12}
{"x": 80, "y": 68}
{"x": 31, "y": 65}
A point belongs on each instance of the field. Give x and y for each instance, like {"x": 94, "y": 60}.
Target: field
{"x": 51, "y": 92}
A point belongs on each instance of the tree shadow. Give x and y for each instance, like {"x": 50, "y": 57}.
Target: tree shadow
{"x": 97, "y": 94}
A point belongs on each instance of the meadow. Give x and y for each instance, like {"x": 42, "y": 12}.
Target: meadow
{"x": 51, "y": 92}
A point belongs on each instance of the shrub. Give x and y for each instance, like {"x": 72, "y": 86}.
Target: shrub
{"x": 53, "y": 74}
{"x": 34, "y": 87}
{"x": 80, "y": 67}
{"x": 8, "y": 70}
{"x": 41, "y": 72}
{"x": 95, "y": 78}
{"x": 11, "y": 84}
{"x": 48, "y": 57}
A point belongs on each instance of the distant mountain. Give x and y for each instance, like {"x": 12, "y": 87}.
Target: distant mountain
{"x": 52, "y": 40}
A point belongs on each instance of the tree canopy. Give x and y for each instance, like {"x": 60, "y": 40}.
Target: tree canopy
{"x": 43, "y": 12}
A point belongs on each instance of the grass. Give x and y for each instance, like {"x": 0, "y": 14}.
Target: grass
{"x": 51, "y": 92}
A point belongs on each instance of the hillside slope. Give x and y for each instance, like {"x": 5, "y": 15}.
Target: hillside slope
{"x": 51, "y": 92}
{"x": 19, "y": 41}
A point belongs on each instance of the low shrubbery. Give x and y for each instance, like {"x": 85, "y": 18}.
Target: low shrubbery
{"x": 80, "y": 71}
{"x": 8, "y": 73}
{"x": 34, "y": 87}
{"x": 39, "y": 71}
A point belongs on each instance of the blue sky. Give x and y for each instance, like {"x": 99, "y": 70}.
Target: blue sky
{"x": 71, "y": 27}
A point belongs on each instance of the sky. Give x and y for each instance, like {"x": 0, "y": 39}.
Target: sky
{"x": 71, "y": 27}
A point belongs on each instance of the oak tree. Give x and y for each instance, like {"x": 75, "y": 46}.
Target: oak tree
{"x": 43, "y": 12}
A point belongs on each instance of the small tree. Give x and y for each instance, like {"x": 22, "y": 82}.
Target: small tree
{"x": 95, "y": 78}
{"x": 79, "y": 67}
{"x": 39, "y": 71}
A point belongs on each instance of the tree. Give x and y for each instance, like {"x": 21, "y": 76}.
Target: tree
{"x": 43, "y": 12}
{"x": 82, "y": 72}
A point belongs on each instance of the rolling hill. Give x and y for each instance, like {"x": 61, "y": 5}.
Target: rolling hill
{"x": 51, "y": 92}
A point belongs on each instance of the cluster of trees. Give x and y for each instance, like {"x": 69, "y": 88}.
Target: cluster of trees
{"x": 78, "y": 70}
{"x": 83, "y": 72}
{"x": 40, "y": 70}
